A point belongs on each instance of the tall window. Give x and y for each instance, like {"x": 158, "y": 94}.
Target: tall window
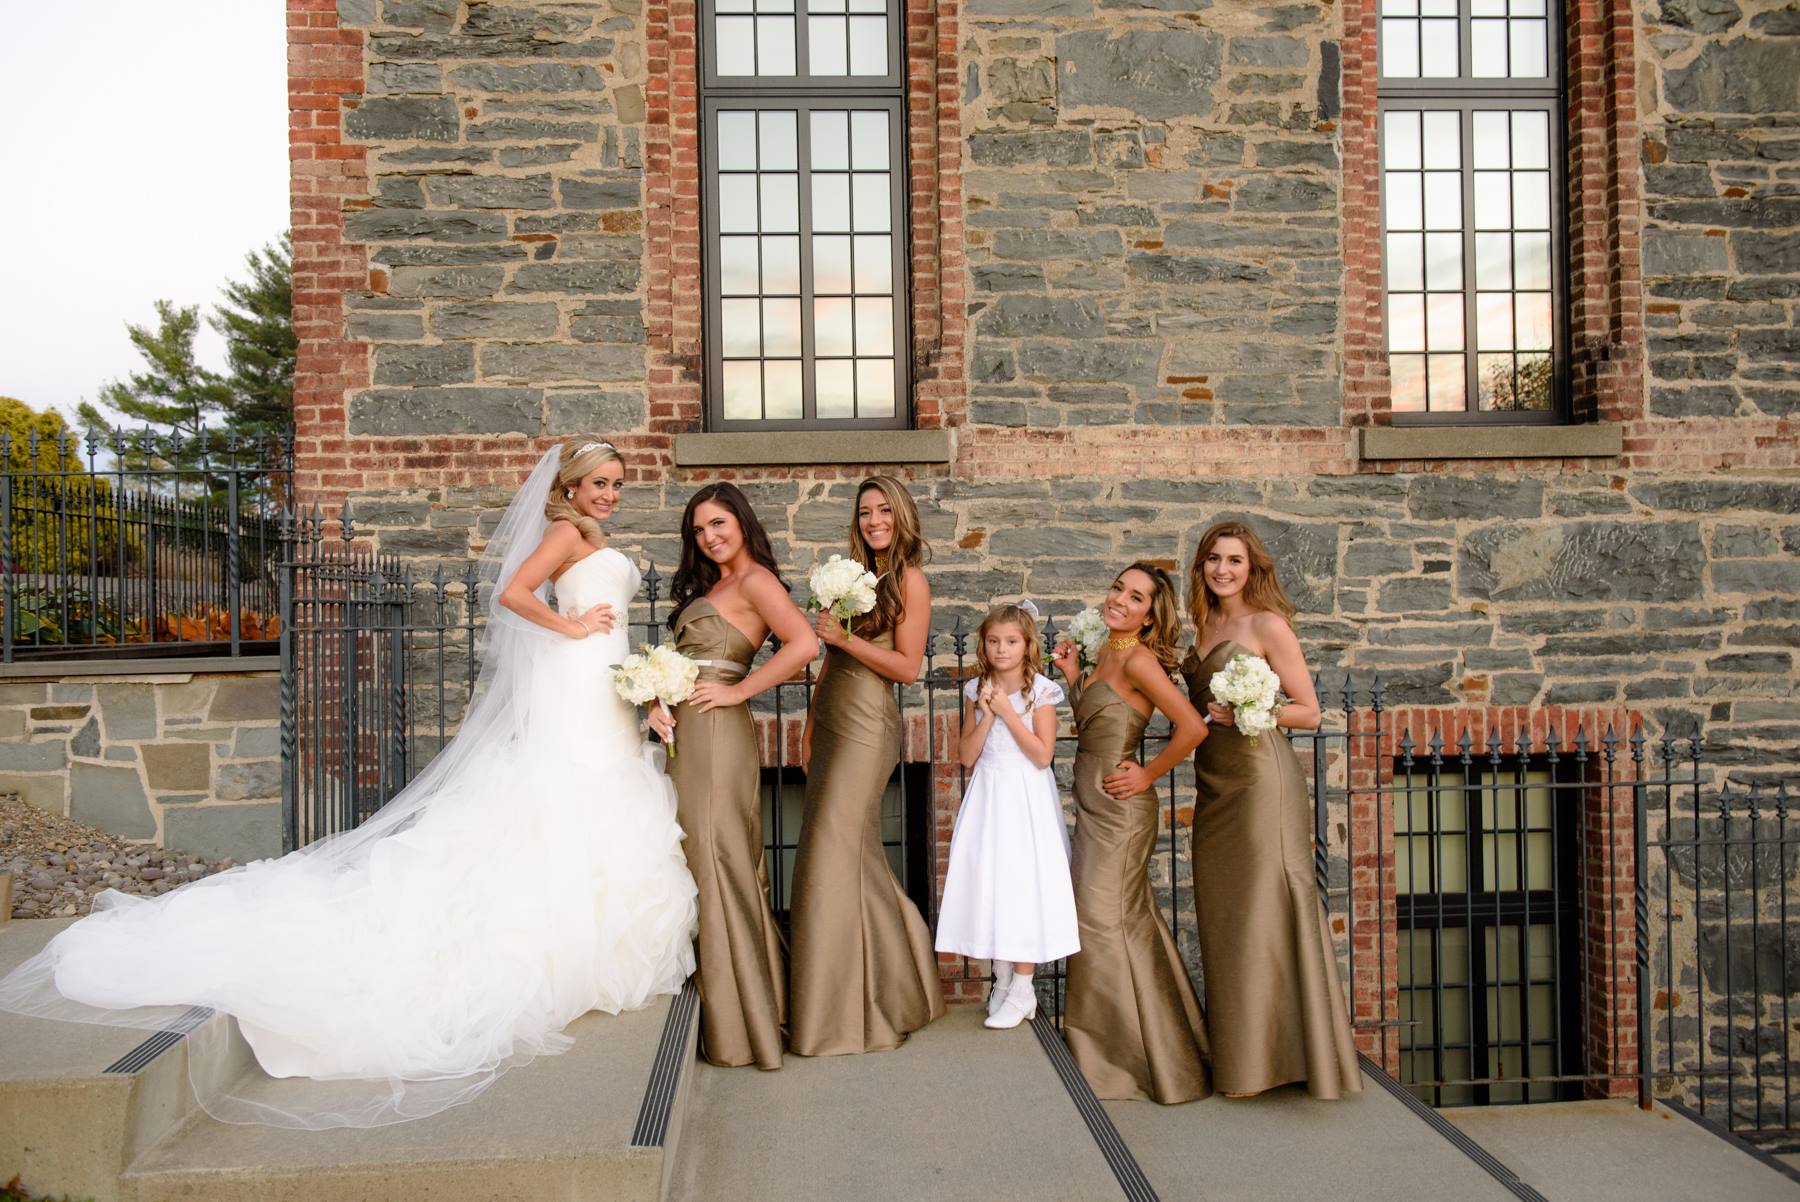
{"x": 803, "y": 136}
{"x": 1487, "y": 864}
{"x": 1472, "y": 210}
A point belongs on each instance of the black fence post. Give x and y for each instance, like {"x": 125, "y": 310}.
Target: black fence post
{"x": 285, "y": 567}
{"x": 234, "y": 598}
{"x": 1641, "y": 914}
{"x": 9, "y": 613}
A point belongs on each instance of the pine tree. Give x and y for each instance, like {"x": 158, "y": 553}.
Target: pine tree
{"x": 174, "y": 394}
{"x": 257, "y": 321}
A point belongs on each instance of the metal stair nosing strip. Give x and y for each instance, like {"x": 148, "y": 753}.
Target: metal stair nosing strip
{"x": 160, "y": 1041}
{"x": 1458, "y": 1138}
{"x": 1119, "y": 1159}
{"x": 665, "y": 1071}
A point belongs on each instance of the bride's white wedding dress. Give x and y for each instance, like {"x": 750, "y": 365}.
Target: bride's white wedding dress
{"x": 535, "y": 875}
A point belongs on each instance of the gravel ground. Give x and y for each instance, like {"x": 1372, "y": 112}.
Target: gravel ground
{"x": 58, "y": 865}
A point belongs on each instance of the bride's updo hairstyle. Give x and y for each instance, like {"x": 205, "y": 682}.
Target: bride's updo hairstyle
{"x": 697, "y": 573}
{"x": 1161, "y": 632}
{"x": 1262, "y": 591}
{"x": 907, "y": 550}
{"x": 578, "y": 457}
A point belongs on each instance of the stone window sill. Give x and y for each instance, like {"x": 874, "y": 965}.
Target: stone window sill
{"x": 804, "y": 447}
{"x": 1600, "y": 440}
{"x": 197, "y": 665}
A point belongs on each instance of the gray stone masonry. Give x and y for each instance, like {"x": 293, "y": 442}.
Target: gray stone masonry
{"x": 187, "y": 761}
{"x": 1154, "y": 239}
{"x": 506, "y": 173}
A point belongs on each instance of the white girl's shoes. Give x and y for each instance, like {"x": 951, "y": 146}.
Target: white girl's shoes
{"x": 1018, "y": 1004}
{"x": 1003, "y": 975}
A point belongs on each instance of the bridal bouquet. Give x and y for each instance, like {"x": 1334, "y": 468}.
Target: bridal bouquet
{"x": 1087, "y": 630}
{"x": 656, "y": 674}
{"x": 1250, "y": 687}
{"x": 844, "y": 587}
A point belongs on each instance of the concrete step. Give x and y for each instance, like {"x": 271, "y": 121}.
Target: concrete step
{"x": 1607, "y": 1148}
{"x": 598, "y": 1122}
{"x": 78, "y": 1102}
{"x": 1283, "y": 1145}
{"x": 562, "y": 1129}
{"x": 959, "y": 1112}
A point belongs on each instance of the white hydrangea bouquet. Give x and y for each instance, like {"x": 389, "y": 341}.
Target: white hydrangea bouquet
{"x": 844, "y": 587}
{"x": 1252, "y": 689}
{"x": 656, "y": 674}
{"x": 1087, "y": 630}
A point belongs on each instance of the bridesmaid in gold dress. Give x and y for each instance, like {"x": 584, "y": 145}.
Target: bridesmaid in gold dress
{"x": 728, "y": 600}
{"x": 1130, "y": 1018}
{"x": 865, "y": 974}
{"x": 1273, "y": 999}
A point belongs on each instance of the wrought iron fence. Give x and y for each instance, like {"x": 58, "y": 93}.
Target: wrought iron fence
{"x": 1513, "y": 909}
{"x": 138, "y": 544}
{"x": 1720, "y": 982}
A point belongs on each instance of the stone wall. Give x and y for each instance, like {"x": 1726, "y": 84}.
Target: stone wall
{"x": 1154, "y": 204}
{"x": 188, "y": 761}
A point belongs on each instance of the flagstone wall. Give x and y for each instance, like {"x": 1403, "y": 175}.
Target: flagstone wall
{"x": 190, "y": 760}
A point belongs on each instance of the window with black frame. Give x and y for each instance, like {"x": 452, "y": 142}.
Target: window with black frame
{"x": 1473, "y": 218}
{"x": 803, "y": 147}
{"x": 1487, "y": 863}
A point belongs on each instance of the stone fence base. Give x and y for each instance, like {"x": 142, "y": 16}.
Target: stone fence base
{"x": 183, "y": 755}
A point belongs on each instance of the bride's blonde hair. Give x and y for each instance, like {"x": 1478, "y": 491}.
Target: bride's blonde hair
{"x": 579, "y": 457}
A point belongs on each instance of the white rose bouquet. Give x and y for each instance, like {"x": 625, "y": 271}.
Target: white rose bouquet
{"x": 1087, "y": 630}
{"x": 656, "y": 674}
{"x": 1252, "y": 689}
{"x": 844, "y": 587}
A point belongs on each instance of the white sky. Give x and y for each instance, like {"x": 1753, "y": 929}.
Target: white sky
{"x": 143, "y": 152}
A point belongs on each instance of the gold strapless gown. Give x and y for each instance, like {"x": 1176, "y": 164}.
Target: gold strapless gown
{"x": 1130, "y": 1018}
{"x": 743, "y": 1001}
{"x": 1272, "y": 994}
{"x": 864, "y": 971}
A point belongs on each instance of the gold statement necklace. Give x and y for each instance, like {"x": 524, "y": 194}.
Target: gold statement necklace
{"x": 1122, "y": 642}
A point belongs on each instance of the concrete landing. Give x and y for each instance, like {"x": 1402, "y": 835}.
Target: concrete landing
{"x": 1285, "y": 1145}
{"x": 556, "y": 1129}
{"x": 959, "y": 1112}
{"x": 1606, "y": 1149}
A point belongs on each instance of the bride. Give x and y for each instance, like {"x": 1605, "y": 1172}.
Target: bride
{"x": 532, "y": 873}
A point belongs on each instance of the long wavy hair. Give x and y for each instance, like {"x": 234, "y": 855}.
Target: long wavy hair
{"x": 697, "y": 573}
{"x": 577, "y": 458}
{"x": 1001, "y": 615}
{"x": 1161, "y": 631}
{"x": 1262, "y": 591}
{"x": 908, "y": 549}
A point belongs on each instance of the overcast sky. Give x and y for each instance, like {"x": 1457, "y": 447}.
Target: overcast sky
{"x": 143, "y": 152}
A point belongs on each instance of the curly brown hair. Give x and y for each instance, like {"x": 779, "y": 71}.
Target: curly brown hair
{"x": 1161, "y": 632}
{"x": 907, "y": 550}
{"x": 696, "y": 574}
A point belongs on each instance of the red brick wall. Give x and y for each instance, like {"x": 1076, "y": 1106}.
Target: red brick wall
{"x": 325, "y": 71}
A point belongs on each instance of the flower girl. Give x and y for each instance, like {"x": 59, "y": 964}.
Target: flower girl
{"x": 1007, "y": 895}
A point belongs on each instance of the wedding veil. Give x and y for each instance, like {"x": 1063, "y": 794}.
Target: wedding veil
{"x": 217, "y": 1056}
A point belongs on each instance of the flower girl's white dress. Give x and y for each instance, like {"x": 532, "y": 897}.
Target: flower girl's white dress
{"x": 1007, "y": 895}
